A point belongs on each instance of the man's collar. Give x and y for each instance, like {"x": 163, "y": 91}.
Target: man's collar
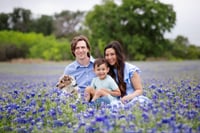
{"x": 77, "y": 65}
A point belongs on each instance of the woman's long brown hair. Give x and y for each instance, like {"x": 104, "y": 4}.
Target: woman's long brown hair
{"x": 119, "y": 65}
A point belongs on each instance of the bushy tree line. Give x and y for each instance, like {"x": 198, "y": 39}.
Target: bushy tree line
{"x": 139, "y": 25}
{"x": 60, "y": 24}
{"x": 15, "y": 44}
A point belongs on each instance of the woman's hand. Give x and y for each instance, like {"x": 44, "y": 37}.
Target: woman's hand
{"x": 125, "y": 99}
{"x": 136, "y": 82}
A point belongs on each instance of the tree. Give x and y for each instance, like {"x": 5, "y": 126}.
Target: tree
{"x": 139, "y": 24}
{"x": 4, "y": 25}
{"x": 193, "y": 52}
{"x": 43, "y": 25}
{"x": 67, "y": 23}
{"x": 182, "y": 40}
{"x": 20, "y": 19}
{"x": 180, "y": 48}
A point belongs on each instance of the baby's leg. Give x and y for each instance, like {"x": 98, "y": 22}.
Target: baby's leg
{"x": 89, "y": 93}
{"x": 98, "y": 94}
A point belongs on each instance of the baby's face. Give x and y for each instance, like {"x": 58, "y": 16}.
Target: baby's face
{"x": 101, "y": 71}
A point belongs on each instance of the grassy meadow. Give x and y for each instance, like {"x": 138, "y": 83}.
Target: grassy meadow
{"x": 30, "y": 102}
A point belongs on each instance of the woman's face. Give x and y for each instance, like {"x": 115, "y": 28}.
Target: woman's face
{"x": 110, "y": 56}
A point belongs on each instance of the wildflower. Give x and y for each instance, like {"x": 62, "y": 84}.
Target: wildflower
{"x": 152, "y": 86}
{"x": 99, "y": 118}
{"x": 73, "y": 106}
{"x": 58, "y": 123}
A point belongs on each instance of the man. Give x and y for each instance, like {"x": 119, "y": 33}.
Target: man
{"x": 82, "y": 68}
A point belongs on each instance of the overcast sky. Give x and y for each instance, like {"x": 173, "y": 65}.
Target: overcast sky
{"x": 187, "y": 24}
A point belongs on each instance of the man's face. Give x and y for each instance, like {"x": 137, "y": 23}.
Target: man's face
{"x": 81, "y": 50}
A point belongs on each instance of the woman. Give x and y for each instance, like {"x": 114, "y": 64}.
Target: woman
{"x": 125, "y": 74}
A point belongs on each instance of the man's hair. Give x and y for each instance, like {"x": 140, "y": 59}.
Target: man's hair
{"x": 76, "y": 39}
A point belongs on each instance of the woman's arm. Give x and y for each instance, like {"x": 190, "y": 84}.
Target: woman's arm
{"x": 136, "y": 82}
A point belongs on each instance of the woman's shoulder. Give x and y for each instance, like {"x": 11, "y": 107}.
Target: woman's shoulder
{"x": 131, "y": 68}
{"x": 129, "y": 65}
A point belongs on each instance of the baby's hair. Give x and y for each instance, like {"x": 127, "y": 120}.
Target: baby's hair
{"x": 100, "y": 61}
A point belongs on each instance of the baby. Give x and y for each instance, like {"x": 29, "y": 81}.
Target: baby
{"x": 103, "y": 84}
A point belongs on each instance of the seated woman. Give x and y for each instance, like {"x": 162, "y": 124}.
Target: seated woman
{"x": 125, "y": 74}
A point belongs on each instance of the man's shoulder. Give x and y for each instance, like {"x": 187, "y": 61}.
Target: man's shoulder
{"x": 71, "y": 67}
{"x": 72, "y": 64}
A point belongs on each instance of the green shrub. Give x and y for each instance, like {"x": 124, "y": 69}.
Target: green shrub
{"x": 31, "y": 45}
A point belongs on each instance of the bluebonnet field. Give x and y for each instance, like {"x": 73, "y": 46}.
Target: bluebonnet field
{"x": 30, "y": 102}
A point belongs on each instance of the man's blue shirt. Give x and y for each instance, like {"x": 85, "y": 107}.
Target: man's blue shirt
{"x": 82, "y": 74}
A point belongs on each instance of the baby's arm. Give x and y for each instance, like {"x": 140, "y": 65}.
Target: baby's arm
{"x": 115, "y": 92}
